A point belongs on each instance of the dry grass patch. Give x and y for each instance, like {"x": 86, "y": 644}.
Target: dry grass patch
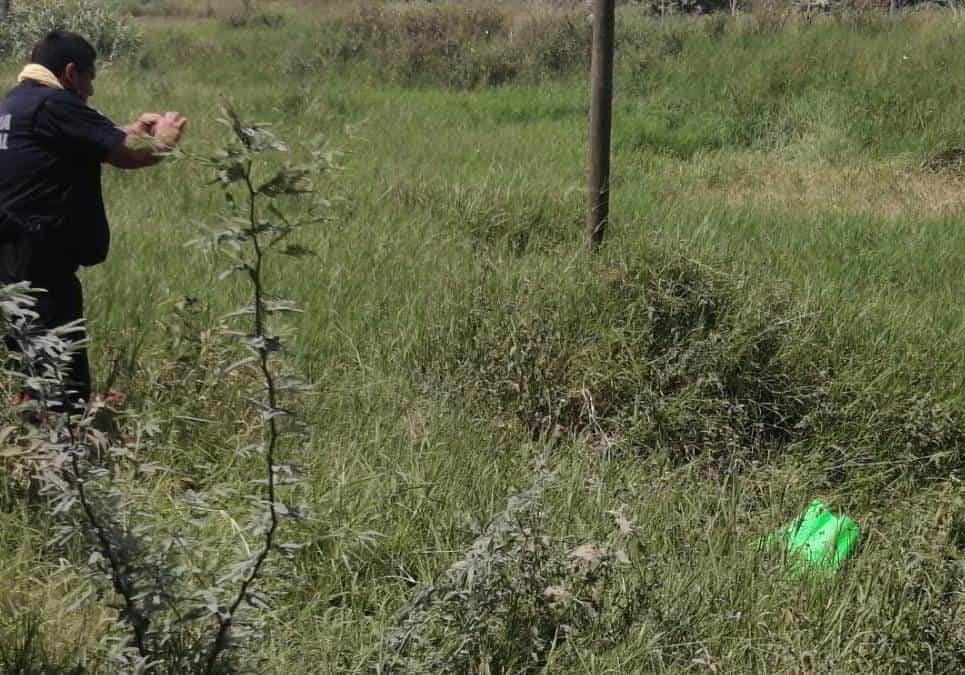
{"x": 65, "y": 632}
{"x": 769, "y": 184}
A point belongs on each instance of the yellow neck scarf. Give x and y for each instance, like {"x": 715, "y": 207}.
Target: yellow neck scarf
{"x": 40, "y": 75}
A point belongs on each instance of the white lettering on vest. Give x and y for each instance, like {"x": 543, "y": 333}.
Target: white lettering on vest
{"x": 5, "y": 122}
{"x": 3, "y": 141}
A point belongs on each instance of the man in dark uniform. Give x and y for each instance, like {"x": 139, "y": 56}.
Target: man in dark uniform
{"x": 52, "y": 145}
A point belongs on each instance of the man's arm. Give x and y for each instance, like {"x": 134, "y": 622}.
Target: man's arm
{"x": 133, "y": 154}
{"x": 147, "y": 140}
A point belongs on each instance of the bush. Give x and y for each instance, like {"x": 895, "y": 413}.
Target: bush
{"x": 552, "y": 44}
{"x": 226, "y": 10}
{"x": 517, "y": 596}
{"x": 436, "y": 43}
{"x": 460, "y": 46}
{"x": 112, "y": 33}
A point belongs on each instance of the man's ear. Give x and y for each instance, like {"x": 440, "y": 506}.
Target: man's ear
{"x": 70, "y": 73}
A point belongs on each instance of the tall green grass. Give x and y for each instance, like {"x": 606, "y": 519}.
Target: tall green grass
{"x": 779, "y": 165}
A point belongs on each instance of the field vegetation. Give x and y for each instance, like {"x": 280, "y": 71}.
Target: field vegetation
{"x": 523, "y": 458}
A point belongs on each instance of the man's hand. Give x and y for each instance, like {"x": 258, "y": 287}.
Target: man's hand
{"x": 163, "y": 132}
{"x": 144, "y": 126}
{"x": 168, "y": 128}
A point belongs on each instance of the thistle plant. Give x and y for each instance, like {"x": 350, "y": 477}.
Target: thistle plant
{"x": 176, "y": 611}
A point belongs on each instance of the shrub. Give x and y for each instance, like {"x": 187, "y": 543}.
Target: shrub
{"x": 230, "y": 11}
{"x": 551, "y": 44}
{"x": 517, "y": 595}
{"x": 428, "y": 42}
{"x": 460, "y": 46}
{"x": 112, "y": 33}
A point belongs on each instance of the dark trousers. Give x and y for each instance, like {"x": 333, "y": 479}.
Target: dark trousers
{"x": 62, "y": 303}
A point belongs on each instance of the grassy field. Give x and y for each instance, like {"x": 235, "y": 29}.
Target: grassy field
{"x": 774, "y": 318}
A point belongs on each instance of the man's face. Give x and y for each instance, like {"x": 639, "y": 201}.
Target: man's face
{"x": 80, "y": 81}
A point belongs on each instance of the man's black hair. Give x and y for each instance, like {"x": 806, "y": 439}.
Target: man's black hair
{"x": 59, "y": 48}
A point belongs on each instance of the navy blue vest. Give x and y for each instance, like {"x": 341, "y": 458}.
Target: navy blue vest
{"x": 52, "y": 217}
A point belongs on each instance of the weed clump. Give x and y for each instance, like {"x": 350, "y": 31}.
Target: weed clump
{"x": 518, "y": 595}
{"x": 663, "y": 356}
{"x": 951, "y": 160}
{"x": 23, "y": 650}
{"x": 675, "y": 358}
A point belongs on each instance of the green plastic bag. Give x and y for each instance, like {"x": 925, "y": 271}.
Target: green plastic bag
{"x": 817, "y": 539}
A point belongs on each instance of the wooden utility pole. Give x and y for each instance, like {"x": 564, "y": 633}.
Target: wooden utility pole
{"x": 601, "y": 117}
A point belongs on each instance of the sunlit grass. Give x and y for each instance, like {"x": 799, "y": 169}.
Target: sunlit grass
{"x": 788, "y": 158}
